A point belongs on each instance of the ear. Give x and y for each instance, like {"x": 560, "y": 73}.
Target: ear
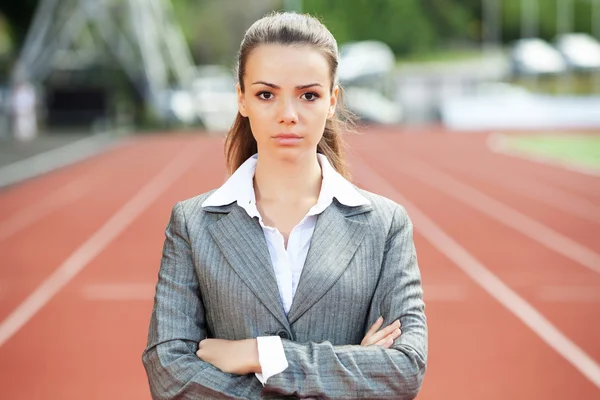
{"x": 240, "y": 98}
{"x": 333, "y": 101}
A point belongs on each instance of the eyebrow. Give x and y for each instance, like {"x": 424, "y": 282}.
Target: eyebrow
{"x": 300, "y": 87}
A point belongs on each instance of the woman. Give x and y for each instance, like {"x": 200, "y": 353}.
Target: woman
{"x": 267, "y": 285}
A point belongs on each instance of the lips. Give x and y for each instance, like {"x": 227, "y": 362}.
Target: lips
{"x": 287, "y": 139}
{"x": 287, "y": 136}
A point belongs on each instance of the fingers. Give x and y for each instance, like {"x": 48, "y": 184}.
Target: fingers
{"x": 203, "y": 345}
{"x": 390, "y": 332}
{"x": 388, "y": 341}
{"x": 374, "y": 328}
{"x": 199, "y": 351}
{"x": 385, "y": 332}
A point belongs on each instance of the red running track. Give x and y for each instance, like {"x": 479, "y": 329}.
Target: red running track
{"x": 508, "y": 249}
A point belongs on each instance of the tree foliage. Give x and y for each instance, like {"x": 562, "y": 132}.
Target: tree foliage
{"x": 214, "y": 28}
{"x": 408, "y": 26}
{"x": 19, "y": 14}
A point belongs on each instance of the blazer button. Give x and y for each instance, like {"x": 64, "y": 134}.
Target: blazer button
{"x": 283, "y": 334}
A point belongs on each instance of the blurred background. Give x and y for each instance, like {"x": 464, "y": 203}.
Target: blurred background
{"x": 481, "y": 117}
{"x": 122, "y": 65}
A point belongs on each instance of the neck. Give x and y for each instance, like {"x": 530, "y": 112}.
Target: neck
{"x": 282, "y": 180}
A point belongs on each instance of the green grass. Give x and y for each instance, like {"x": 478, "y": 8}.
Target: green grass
{"x": 577, "y": 84}
{"x": 579, "y": 150}
{"x": 440, "y": 56}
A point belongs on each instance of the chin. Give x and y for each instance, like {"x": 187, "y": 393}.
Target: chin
{"x": 294, "y": 153}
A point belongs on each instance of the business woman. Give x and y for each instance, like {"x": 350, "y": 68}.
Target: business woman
{"x": 288, "y": 281}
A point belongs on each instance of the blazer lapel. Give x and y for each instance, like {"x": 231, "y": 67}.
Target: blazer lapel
{"x": 335, "y": 240}
{"x": 242, "y": 242}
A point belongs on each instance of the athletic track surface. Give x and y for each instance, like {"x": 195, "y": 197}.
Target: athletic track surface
{"x": 509, "y": 251}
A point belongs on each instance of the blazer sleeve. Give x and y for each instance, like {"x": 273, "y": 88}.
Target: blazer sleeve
{"x": 178, "y": 324}
{"x": 352, "y": 371}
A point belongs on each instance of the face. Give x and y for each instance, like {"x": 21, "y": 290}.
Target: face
{"x": 287, "y": 99}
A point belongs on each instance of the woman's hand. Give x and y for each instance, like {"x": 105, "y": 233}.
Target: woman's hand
{"x": 385, "y": 337}
{"x": 239, "y": 357}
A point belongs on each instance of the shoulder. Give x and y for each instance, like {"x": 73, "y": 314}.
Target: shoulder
{"x": 191, "y": 211}
{"x": 386, "y": 212}
{"x": 382, "y": 205}
{"x": 193, "y": 205}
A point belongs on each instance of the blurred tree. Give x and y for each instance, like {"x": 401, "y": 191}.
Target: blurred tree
{"x": 547, "y": 18}
{"x": 5, "y": 42}
{"x": 19, "y": 14}
{"x": 214, "y": 28}
{"x": 408, "y": 26}
{"x": 451, "y": 19}
{"x": 403, "y": 25}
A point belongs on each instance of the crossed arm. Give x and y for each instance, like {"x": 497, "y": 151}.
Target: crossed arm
{"x": 240, "y": 357}
{"x": 383, "y": 366}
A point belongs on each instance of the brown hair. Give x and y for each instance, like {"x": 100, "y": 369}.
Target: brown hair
{"x": 289, "y": 28}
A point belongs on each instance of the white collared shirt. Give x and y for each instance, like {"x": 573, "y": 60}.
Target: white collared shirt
{"x": 287, "y": 263}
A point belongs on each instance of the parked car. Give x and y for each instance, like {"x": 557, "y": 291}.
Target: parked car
{"x": 366, "y": 72}
{"x": 534, "y": 56}
{"x": 214, "y": 97}
{"x": 371, "y": 106}
{"x": 364, "y": 59}
{"x": 179, "y": 107}
{"x": 580, "y": 51}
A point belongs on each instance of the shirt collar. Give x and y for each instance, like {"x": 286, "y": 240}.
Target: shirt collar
{"x": 239, "y": 188}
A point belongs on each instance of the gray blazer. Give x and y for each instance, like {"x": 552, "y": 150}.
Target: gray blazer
{"x": 216, "y": 280}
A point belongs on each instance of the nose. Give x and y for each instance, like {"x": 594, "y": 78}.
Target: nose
{"x": 287, "y": 112}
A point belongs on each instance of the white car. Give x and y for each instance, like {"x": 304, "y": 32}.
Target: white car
{"x": 215, "y": 98}
{"x": 364, "y": 59}
{"x": 581, "y": 51}
{"x": 534, "y": 56}
{"x": 365, "y": 71}
{"x": 371, "y": 106}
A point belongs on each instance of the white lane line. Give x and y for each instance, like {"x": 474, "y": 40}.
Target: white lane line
{"x": 563, "y": 294}
{"x": 565, "y": 182}
{"x": 500, "y": 212}
{"x": 66, "y": 194}
{"x": 97, "y": 242}
{"x": 55, "y": 158}
{"x": 28, "y": 216}
{"x": 498, "y": 143}
{"x": 556, "y": 198}
{"x": 118, "y": 291}
{"x": 530, "y": 316}
{"x": 544, "y": 193}
{"x": 445, "y": 293}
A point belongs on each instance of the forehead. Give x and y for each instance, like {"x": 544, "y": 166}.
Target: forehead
{"x": 293, "y": 65}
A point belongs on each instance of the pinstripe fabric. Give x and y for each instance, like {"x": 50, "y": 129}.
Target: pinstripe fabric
{"x": 216, "y": 280}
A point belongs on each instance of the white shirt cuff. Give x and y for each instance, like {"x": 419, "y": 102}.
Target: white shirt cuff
{"x": 271, "y": 357}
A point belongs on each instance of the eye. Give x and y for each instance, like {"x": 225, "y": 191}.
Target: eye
{"x": 310, "y": 96}
{"x": 265, "y": 95}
